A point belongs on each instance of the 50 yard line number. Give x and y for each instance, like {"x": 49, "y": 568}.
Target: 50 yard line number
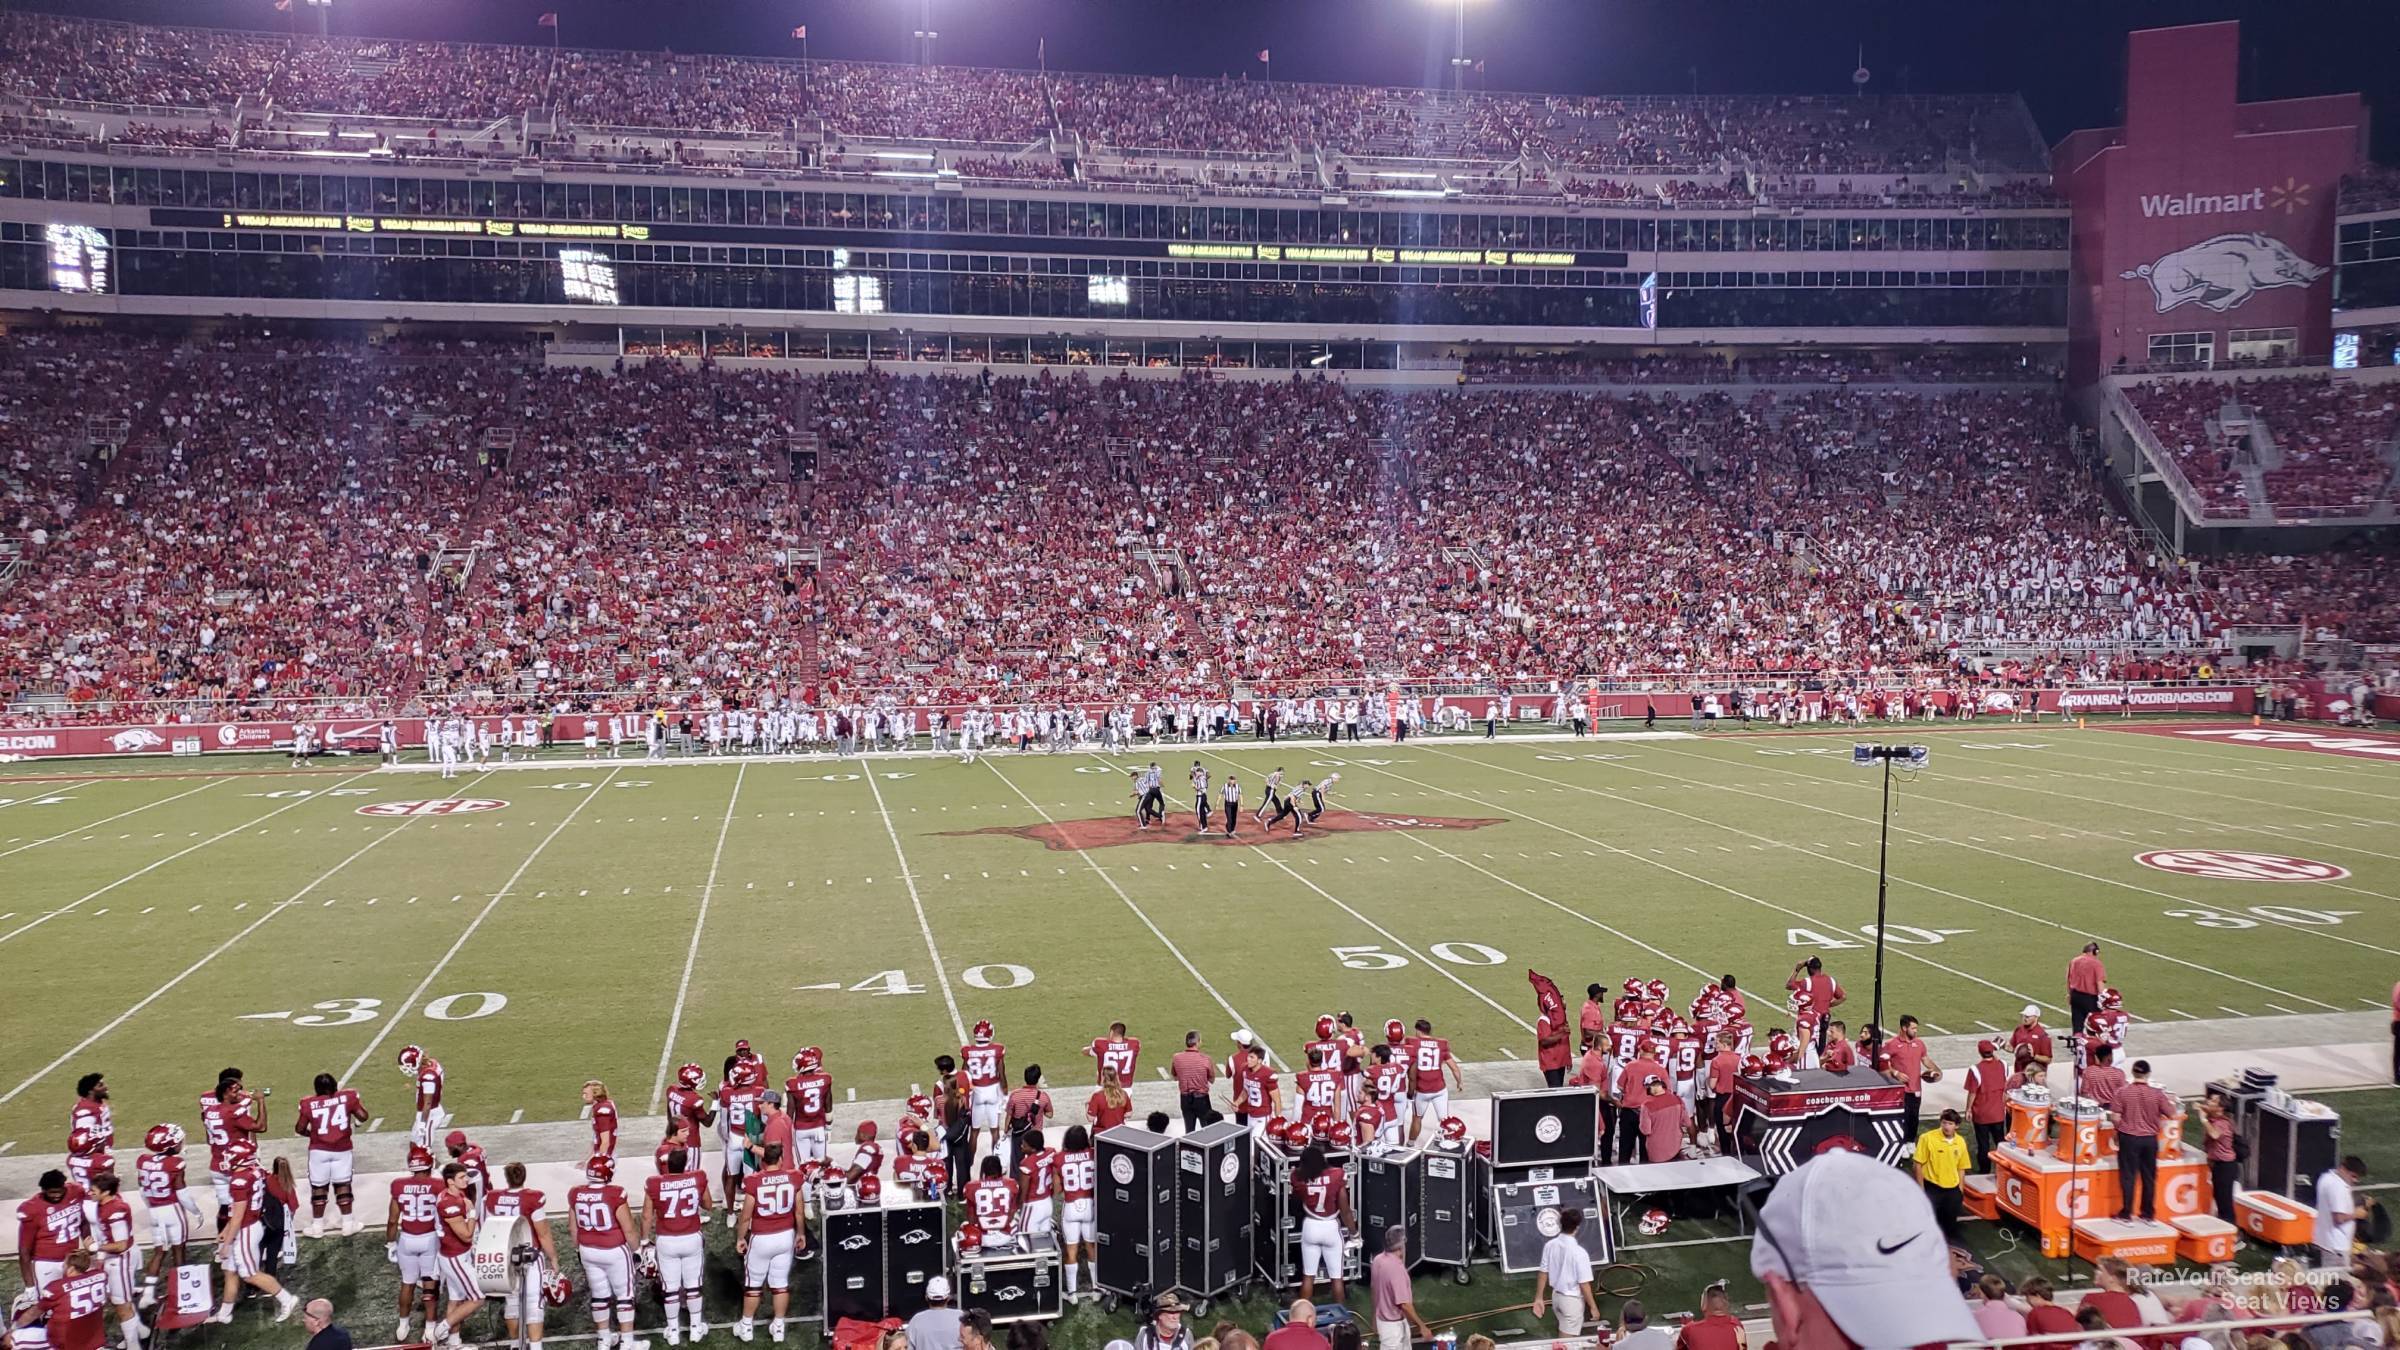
{"x": 1456, "y": 953}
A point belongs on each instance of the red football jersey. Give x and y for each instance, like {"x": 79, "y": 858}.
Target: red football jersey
{"x": 52, "y": 1230}
{"x": 429, "y": 1083}
{"x": 678, "y": 1203}
{"x": 1315, "y": 1090}
{"x": 455, "y": 1207}
{"x": 1322, "y": 1196}
{"x": 604, "y": 1126}
{"x": 2106, "y": 1026}
{"x": 96, "y": 1117}
{"x": 248, "y": 1188}
{"x": 1371, "y": 1117}
{"x": 417, "y": 1200}
{"x": 983, "y": 1063}
{"x": 1391, "y": 1081}
{"x": 1683, "y": 1056}
{"x": 774, "y": 1200}
{"x": 520, "y": 1204}
{"x": 595, "y": 1209}
{"x": 328, "y": 1120}
{"x": 77, "y": 1306}
{"x": 220, "y": 1124}
{"x": 1354, "y": 1049}
{"x": 1426, "y": 1058}
{"x": 1121, "y": 1055}
{"x": 160, "y": 1176}
{"x": 1625, "y": 1039}
{"x": 1327, "y": 1053}
{"x": 1037, "y": 1175}
{"x": 809, "y": 1097}
{"x": 992, "y": 1203}
{"x": 1078, "y": 1174}
{"x": 737, "y": 1105}
{"x": 1256, "y": 1083}
{"x": 683, "y": 1114}
{"x": 113, "y": 1222}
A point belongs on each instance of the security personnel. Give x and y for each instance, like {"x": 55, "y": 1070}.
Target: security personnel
{"x": 1941, "y": 1166}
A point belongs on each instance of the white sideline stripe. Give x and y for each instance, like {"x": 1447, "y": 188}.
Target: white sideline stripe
{"x": 2030, "y": 862}
{"x": 189, "y": 848}
{"x": 2021, "y": 998}
{"x": 2278, "y": 803}
{"x": 908, "y": 878}
{"x": 409, "y": 1004}
{"x": 683, "y": 987}
{"x": 37, "y": 843}
{"x": 2299, "y": 762}
{"x": 221, "y": 948}
{"x": 1439, "y": 968}
{"x": 1164, "y": 940}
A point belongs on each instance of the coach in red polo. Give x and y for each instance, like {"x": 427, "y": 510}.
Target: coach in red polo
{"x": 2140, "y": 1110}
{"x": 1819, "y": 992}
{"x": 2086, "y": 977}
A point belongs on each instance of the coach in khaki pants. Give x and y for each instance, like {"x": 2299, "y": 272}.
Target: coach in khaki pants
{"x": 1566, "y": 1278}
{"x": 1395, "y": 1298}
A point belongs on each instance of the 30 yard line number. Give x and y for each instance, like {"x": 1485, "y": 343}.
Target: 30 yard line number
{"x": 349, "y": 1012}
{"x": 1456, "y": 953}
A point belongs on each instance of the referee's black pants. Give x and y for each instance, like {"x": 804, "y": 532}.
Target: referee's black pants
{"x": 1200, "y": 808}
{"x": 1154, "y": 806}
{"x": 1947, "y": 1203}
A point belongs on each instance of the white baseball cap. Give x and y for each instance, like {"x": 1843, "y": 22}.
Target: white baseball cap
{"x": 937, "y": 1289}
{"x": 1861, "y": 1237}
{"x": 2031, "y": 1010}
{"x": 1241, "y": 1036}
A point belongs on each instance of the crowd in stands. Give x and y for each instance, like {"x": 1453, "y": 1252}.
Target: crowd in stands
{"x": 2344, "y": 591}
{"x": 378, "y": 521}
{"x": 1695, "y": 139}
{"x": 2323, "y": 449}
{"x": 1926, "y": 365}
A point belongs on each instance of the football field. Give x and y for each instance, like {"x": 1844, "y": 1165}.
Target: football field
{"x": 539, "y": 925}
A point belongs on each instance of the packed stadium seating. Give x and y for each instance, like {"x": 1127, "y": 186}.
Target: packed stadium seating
{"x": 2322, "y": 449}
{"x": 1697, "y": 140}
{"x": 470, "y": 519}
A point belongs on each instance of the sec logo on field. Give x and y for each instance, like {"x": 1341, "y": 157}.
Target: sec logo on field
{"x": 2234, "y": 865}
{"x": 448, "y": 806}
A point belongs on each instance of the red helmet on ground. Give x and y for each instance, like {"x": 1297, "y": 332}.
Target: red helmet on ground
{"x": 1393, "y": 1032}
{"x": 165, "y": 1138}
{"x": 420, "y": 1158}
{"x": 2110, "y": 998}
{"x": 983, "y": 1032}
{"x": 870, "y": 1189}
{"x": 1654, "y": 1222}
{"x": 691, "y": 1076}
{"x": 1325, "y": 1025}
{"x": 557, "y": 1290}
{"x": 600, "y": 1169}
{"x": 809, "y": 1060}
{"x": 1454, "y": 1130}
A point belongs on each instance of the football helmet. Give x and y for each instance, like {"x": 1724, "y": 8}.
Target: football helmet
{"x": 1656, "y": 991}
{"x": 1633, "y": 987}
{"x": 2110, "y": 998}
{"x": 600, "y": 1169}
{"x": 1779, "y": 1042}
{"x": 420, "y": 1158}
{"x": 1393, "y": 1032}
{"x": 970, "y": 1238}
{"x": 691, "y": 1076}
{"x": 742, "y": 1050}
{"x": 836, "y": 1191}
{"x": 239, "y": 1154}
{"x": 870, "y": 1189}
{"x": 165, "y": 1138}
{"x": 808, "y": 1060}
{"x": 1338, "y": 1133}
{"x": 1654, "y": 1222}
{"x": 983, "y": 1032}
{"x": 921, "y": 1107}
{"x": 557, "y": 1290}
{"x": 1454, "y": 1130}
{"x": 411, "y": 1057}
{"x": 747, "y": 1073}
{"x": 83, "y": 1141}
{"x": 1325, "y": 1025}
{"x": 1754, "y": 1067}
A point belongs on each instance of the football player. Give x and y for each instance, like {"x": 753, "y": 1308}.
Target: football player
{"x": 120, "y": 1255}
{"x": 1037, "y": 1181}
{"x": 227, "y": 1116}
{"x": 1429, "y": 1059}
{"x": 985, "y": 1063}
{"x": 737, "y": 1104}
{"x": 1255, "y": 1092}
{"x": 809, "y": 1095}
{"x": 457, "y": 1213}
{"x": 172, "y": 1213}
{"x": 604, "y": 1117}
{"x": 1116, "y": 1051}
{"x": 424, "y": 1072}
{"x": 326, "y": 1120}
{"x": 1377, "y": 1123}
{"x": 1078, "y": 1184}
{"x": 1353, "y": 1045}
{"x": 989, "y": 1201}
{"x": 676, "y": 1208}
{"x": 687, "y": 1111}
{"x": 516, "y": 1201}
{"x": 766, "y": 1233}
{"x": 1317, "y": 1089}
{"x": 50, "y": 1223}
{"x": 2104, "y": 1025}
{"x": 74, "y": 1305}
{"x": 238, "y": 1245}
{"x": 601, "y": 1223}
{"x": 92, "y": 1110}
{"x": 409, "y": 1237}
{"x": 1323, "y": 1192}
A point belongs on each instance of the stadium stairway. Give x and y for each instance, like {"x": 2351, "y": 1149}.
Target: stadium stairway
{"x": 2311, "y": 1052}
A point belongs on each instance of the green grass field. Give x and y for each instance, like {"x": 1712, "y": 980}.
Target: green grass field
{"x": 613, "y": 919}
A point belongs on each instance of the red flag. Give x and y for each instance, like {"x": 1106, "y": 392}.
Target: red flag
{"x": 549, "y": 20}
{"x": 801, "y": 32}
{"x": 1262, "y": 53}
{"x": 283, "y": 6}
{"x": 1546, "y": 997}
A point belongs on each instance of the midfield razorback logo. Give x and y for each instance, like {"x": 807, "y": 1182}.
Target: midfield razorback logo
{"x": 1069, "y": 836}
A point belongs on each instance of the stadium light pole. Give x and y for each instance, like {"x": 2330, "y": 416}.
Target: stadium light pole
{"x": 323, "y": 8}
{"x": 925, "y": 33}
{"x": 1914, "y": 756}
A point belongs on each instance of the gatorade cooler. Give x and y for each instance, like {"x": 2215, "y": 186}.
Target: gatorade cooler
{"x": 1982, "y": 1195}
{"x": 2275, "y": 1219}
{"x": 2204, "y": 1239}
{"x": 2081, "y": 1122}
{"x": 2029, "y": 1123}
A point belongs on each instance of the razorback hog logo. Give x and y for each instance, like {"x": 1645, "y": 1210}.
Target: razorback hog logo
{"x": 1070, "y": 836}
{"x": 2223, "y": 272}
{"x": 135, "y": 738}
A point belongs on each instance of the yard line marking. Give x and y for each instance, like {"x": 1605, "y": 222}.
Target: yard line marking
{"x": 2189, "y": 1018}
{"x": 1164, "y": 940}
{"x": 1937, "y": 1029}
{"x": 2281, "y": 1009}
{"x": 408, "y": 1004}
{"x": 1697, "y": 879}
{"x": 1985, "y": 1025}
{"x": 37, "y": 843}
{"x": 941, "y": 974}
{"x": 192, "y": 848}
{"x": 1568, "y": 910}
{"x": 683, "y": 987}
{"x": 516, "y": 1115}
{"x": 7, "y": 1146}
{"x": 375, "y": 1125}
{"x": 2235, "y": 1011}
{"x": 1956, "y": 895}
{"x": 219, "y": 950}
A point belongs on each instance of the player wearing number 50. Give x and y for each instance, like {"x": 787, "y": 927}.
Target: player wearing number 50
{"x": 767, "y": 1233}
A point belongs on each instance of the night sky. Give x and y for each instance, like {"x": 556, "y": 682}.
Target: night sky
{"x": 2065, "y": 58}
